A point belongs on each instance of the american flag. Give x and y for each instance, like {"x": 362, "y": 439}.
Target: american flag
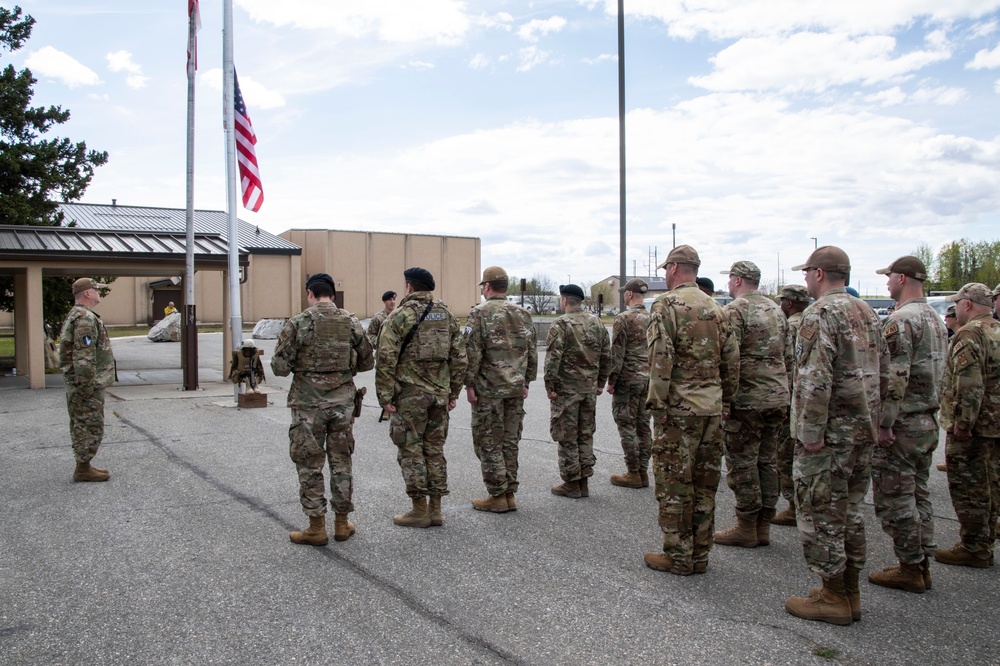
{"x": 253, "y": 193}
{"x": 195, "y": 17}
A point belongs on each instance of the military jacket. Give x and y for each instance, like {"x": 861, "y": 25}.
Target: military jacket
{"x": 694, "y": 358}
{"x": 970, "y": 396}
{"x": 578, "y": 354}
{"x": 433, "y": 362}
{"x": 629, "y": 360}
{"x": 842, "y": 368}
{"x": 375, "y": 326}
{"x": 793, "y": 331}
{"x": 761, "y": 330}
{"x": 324, "y": 347}
{"x": 500, "y": 343}
{"x": 85, "y": 350}
{"x": 918, "y": 353}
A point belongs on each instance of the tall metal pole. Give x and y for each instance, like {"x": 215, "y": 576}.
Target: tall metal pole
{"x": 228, "y": 93}
{"x": 189, "y": 331}
{"x": 621, "y": 151}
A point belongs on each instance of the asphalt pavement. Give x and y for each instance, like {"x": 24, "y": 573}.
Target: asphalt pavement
{"x": 184, "y": 558}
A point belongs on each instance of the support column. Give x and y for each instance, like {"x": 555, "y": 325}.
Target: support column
{"x": 29, "y": 326}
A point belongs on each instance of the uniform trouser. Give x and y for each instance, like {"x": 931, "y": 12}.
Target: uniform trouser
{"x": 419, "y": 429}
{"x": 687, "y": 465}
{"x": 572, "y": 423}
{"x": 900, "y": 473}
{"x": 784, "y": 456}
{"x": 751, "y": 438}
{"x": 974, "y": 483}
{"x": 496, "y": 433}
{"x": 319, "y": 435}
{"x": 628, "y": 406}
{"x": 829, "y": 488}
{"x": 86, "y": 421}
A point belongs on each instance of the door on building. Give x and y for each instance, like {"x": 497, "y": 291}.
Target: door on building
{"x": 160, "y": 299}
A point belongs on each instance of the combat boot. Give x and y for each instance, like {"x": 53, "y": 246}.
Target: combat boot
{"x": 763, "y": 530}
{"x": 314, "y": 535}
{"x": 584, "y": 487}
{"x": 663, "y": 562}
{"x": 628, "y": 480}
{"x": 434, "y": 511}
{"x": 87, "y": 472}
{"x": 511, "y": 503}
{"x": 853, "y": 590}
{"x": 742, "y": 534}
{"x": 343, "y": 529}
{"x": 826, "y": 604}
{"x": 942, "y": 467}
{"x": 644, "y": 477}
{"x": 418, "y": 516}
{"x": 906, "y": 577}
{"x": 493, "y": 504}
{"x": 960, "y": 556}
{"x": 569, "y": 489}
{"x": 786, "y": 517}
{"x": 925, "y": 571}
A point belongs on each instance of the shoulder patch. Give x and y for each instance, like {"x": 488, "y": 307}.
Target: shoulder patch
{"x": 808, "y": 331}
{"x": 891, "y": 328}
{"x": 87, "y": 340}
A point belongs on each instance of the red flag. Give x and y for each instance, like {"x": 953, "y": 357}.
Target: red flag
{"x": 194, "y": 18}
{"x": 246, "y": 156}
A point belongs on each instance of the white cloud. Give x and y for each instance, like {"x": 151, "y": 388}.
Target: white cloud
{"x": 479, "y": 61}
{"x": 255, "y": 95}
{"x": 419, "y": 65}
{"x": 121, "y": 61}
{"x": 604, "y": 57}
{"x": 500, "y": 20}
{"x": 985, "y": 59}
{"x": 53, "y": 63}
{"x": 535, "y": 29}
{"x": 940, "y": 95}
{"x": 531, "y": 57}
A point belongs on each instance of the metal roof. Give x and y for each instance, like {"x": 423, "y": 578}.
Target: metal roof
{"x": 173, "y": 220}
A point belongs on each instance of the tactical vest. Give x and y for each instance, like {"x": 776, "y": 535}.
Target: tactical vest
{"x": 325, "y": 342}
{"x": 432, "y": 341}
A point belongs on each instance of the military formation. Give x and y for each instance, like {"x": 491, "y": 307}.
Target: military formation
{"x": 811, "y": 399}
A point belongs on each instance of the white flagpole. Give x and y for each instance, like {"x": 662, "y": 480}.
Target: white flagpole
{"x": 232, "y": 176}
{"x": 189, "y": 335}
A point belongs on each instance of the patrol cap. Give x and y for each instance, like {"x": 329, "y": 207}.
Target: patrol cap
{"x": 83, "y": 284}
{"x": 636, "y": 286}
{"x": 248, "y": 344}
{"x": 977, "y": 292}
{"x": 420, "y": 275}
{"x": 493, "y": 273}
{"x": 829, "y": 258}
{"x": 705, "y": 283}
{"x": 795, "y": 293}
{"x": 744, "y": 269}
{"x": 571, "y": 290}
{"x": 996, "y": 291}
{"x": 908, "y": 266}
{"x": 950, "y": 312}
{"x": 387, "y": 295}
{"x": 682, "y": 254}
{"x": 320, "y": 277}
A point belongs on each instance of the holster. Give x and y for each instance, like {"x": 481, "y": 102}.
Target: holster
{"x": 359, "y": 398}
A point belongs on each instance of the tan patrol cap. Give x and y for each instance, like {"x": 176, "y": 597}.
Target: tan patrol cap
{"x": 829, "y": 258}
{"x": 977, "y": 292}
{"x": 744, "y": 269}
{"x": 996, "y": 291}
{"x": 83, "y": 284}
{"x": 908, "y": 266}
{"x": 636, "y": 286}
{"x": 795, "y": 293}
{"x": 493, "y": 273}
{"x": 682, "y": 254}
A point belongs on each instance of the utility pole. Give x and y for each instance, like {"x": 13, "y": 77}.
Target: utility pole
{"x": 621, "y": 149}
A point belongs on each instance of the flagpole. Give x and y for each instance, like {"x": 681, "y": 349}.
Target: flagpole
{"x": 189, "y": 336}
{"x": 228, "y": 104}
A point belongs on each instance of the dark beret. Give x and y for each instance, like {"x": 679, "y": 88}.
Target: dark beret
{"x": 320, "y": 277}
{"x": 571, "y": 290}
{"x": 387, "y": 295}
{"x": 419, "y": 275}
{"x": 706, "y": 283}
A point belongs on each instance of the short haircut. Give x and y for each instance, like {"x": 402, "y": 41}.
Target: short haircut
{"x": 419, "y": 286}
{"x": 321, "y": 289}
{"x": 573, "y": 301}
{"x": 751, "y": 283}
{"x": 499, "y": 285}
{"x": 835, "y": 276}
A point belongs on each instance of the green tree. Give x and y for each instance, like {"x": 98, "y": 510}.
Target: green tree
{"x": 36, "y": 168}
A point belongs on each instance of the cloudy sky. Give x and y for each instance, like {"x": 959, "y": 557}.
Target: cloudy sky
{"x": 755, "y": 126}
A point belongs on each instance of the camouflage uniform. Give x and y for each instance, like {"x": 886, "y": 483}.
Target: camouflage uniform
{"x": 577, "y": 360}
{"x": 375, "y": 326}
{"x": 786, "y": 443}
{"x": 629, "y": 376}
{"x": 324, "y": 347}
{"x": 420, "y": 385}
{"x": 89, "y": 368}
{"x": 918, "y": 344}
{"x": 503, "y": 360}
{"x": 970, "y": 400}
{"x": 693, "y": 369}
{"x": 759, "y": 407}
{"x": 842, "y": 365}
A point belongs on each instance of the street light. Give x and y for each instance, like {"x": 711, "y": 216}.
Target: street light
{"x": 815, "y": 242}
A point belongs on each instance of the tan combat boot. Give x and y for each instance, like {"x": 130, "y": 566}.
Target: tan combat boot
{"x": 434, "y": 511}
{"x": 960, "y": 556}
{"x": 942, "y": 467}
{"x": 828, "y": 604}
{"x": 786, "y": 517}
{"x": 925, "y": 572}
{"x": 628, "y": 480}
{"x": 493, "y": 504}
{"x": 86, "y": 472}
{"x": 511, "y": 502}
{"x": 906, "y": 577}
{"x": 852, "y": 587}
{"x": 742, "y": 534}
{"x": 663, "y": 562}
{"x": 569, "y": 489}
{"x": 314, "y": 535}
{"x": 763, "y": 530}
{"x": 343, "y": 529}
{"x": 644, "y": 477}
{"x": 418, "y": 516}
{"x": 584, "y": 487}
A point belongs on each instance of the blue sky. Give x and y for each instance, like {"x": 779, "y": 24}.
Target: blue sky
{"x": 753, "y": 125}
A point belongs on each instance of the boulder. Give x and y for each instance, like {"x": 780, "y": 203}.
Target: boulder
{"x": 167, "y": 329}
{"x": 268, "y": 329}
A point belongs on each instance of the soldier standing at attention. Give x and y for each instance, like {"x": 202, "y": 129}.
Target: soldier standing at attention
{"x": 908, "y": 427}
{"x": 375, "y": 325}
{"x": 577, "y": 360}
{"x": 89, "y": 367}
{"x": 842, "y": 366}
{"x": 503, "y": 361}
{"x": 694, "y": 368}
{"x": 794, "y": 300}
{"x": 420, "y": 370}
{"x": 970, "y": 416}
{"x": 628, "y": 383}
{"x": 324, "y": 347}
{"x": 752, "y": 421}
